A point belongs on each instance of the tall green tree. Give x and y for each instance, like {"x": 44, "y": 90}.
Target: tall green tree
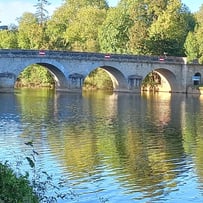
{"x": 113, "y": 34}
{"x": 194, "y": 41}
{"x": 82, "y": 33}
{"x": 42, "y": 17}
{"x": 191, "y": 47}
{"x": 30, "y": 34}
{"x": 169, "y": 31}
{"x": 77, "y": 4}
{"x": 56, "y": 27}
{"x": 141, "y": 22}
{"x": 75, "y": 24}
{"x": 8, "y": 39}
{"x": 146, "y": 27}
{"x": 41, "y": 11}
{"x": 143, "y": 13}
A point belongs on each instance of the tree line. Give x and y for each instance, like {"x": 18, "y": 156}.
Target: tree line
{"x": 142, "y": 27}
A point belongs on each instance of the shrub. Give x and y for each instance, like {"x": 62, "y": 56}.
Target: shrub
{"x": 15, "y": 188}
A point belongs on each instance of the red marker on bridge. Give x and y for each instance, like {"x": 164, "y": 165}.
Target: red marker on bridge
{"x": 107, "y": 56}
{"x": 41, "y": 52}
{"x": 161, "y": 59}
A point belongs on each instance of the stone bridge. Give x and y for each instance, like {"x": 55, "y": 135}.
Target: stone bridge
{"x": 69, "y": 69}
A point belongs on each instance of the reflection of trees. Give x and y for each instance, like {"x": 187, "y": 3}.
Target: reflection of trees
{"x": 35, "y": 111}
{"x": 159, "y": 108}
{"x": 193, "y": 131}
{"x": 139, "y": 152}
{"x": 137, "y": 138}
{"x": 79, "y": 137}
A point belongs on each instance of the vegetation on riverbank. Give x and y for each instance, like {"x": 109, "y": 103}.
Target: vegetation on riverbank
{"x": 33, "y": 186}
{"x": 15, "y": 188}
{"x": 98, "y": 79}
{"x": 35, "y": 76}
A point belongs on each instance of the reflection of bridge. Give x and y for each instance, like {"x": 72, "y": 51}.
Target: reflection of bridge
{"x": 126, "y": 71}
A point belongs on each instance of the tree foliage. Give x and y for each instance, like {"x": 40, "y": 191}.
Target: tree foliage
{"x": 98, "y": 79}
{"x": 82, "y": 33}
{"x": 77, "y": 4}
{"x": 141, "y": 26}
{"x": 149, "y": 27}
{"x": 8, "y": 39}
{"x": 30, "y": 34}
{"x": 35, "y": 76}
{"x": 41, "y": 11}
{"x": 15, "y": 188}
{"x": 194, "y": 41}
{"x": 113, "y": 34}
{"x": 170, "y": 30}
{"x": 191, "y": 47}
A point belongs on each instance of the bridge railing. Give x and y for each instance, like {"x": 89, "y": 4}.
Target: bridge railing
{"x": 89, "y": 56}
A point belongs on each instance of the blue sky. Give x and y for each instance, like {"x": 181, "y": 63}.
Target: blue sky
{"x": 12, "y": 9}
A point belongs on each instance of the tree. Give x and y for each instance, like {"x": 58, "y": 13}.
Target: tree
{"x": 126, "y": 27}
{"x": 113, "y": 34}
{"x": 8, "y": 39}
{"x": 68, "y": 18}
{"x": 170, "y": 29}
{"x": 56, "y": 27}
{"x": 77, "y": 4}
{"x": 82, "y": 33}
{"x": 193, "y": 44}
{"x": 30, "y": 34}
{"x": 41, "y": 12}
{"x": 42, "y": 17}
{"x": 191, "y": 47}
{"x": 198, "y": 36}
{"x": 143, "y": 13}
{"x": 35, "y": 76}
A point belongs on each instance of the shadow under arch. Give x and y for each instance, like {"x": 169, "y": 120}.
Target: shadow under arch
{"x": 57, "y": 74}
{"x": 169, "y": 79}
{"x": 166, "y": 81}
{"x": 118, "y": 79}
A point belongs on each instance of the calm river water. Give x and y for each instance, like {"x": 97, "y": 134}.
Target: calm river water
{"x": 108, "y": 147}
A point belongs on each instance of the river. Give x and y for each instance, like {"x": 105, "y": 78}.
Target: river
{"x": 107, "y": 147}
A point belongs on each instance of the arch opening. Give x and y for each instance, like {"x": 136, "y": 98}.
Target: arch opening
{"x": 196, "y": 78}
{"x": 105, "y": 77}
{"x": 40, "y": 75}
{"x": 160, "y": 80}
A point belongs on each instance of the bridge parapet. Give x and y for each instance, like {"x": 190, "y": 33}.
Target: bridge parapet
{"x": 9, "y": 53}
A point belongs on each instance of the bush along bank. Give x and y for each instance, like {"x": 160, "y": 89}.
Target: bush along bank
{"x": 34, "y": 186}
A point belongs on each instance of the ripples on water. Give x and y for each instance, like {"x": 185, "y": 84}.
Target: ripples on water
{"x": 110, "y": 147}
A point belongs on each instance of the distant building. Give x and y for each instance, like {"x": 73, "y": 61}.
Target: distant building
{"x": 3, "y": 27}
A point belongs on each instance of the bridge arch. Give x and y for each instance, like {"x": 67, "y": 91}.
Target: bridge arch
{"x": 56, "y": 69}
{"x": 119, "y": 82}
{"x": 117, "y": 77}
{"x": 168, "y": 80}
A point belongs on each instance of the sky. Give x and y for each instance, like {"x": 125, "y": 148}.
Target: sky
{"x": 10, "y": 10}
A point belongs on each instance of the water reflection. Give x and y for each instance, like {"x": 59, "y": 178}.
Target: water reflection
{"x": 192, "y": 133}
{"x": 144, "y": 147}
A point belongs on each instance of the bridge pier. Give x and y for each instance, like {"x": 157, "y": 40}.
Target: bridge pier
{"x": 7, "y": 81}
